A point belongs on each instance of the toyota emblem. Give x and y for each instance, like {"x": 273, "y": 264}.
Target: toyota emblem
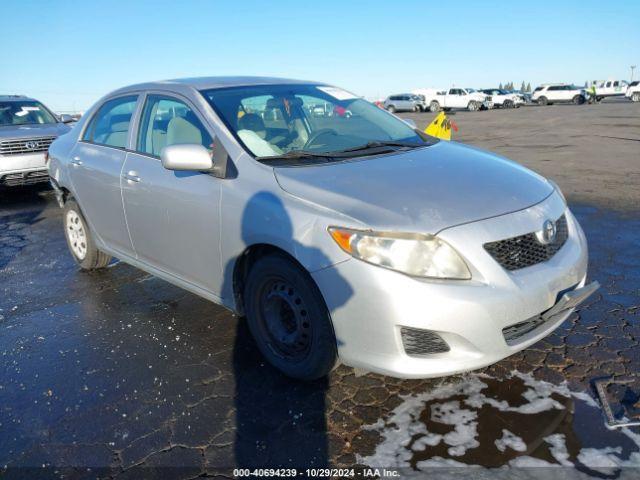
{"x": 31, "y": 145}
{"x": 548, "y": 233}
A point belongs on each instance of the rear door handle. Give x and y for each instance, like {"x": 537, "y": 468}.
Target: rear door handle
{"x": 76, "y": 161}
{"x": 131, "y": 176}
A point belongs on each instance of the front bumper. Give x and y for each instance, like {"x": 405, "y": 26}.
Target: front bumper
{"x": 24, "y": 169}
{"x": 468, "y": 315}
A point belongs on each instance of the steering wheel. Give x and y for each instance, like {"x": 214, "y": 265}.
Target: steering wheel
{"x": 317, "y": 134}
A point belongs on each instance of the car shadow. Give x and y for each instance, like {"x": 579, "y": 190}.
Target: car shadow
{"x": 280, "y": 422}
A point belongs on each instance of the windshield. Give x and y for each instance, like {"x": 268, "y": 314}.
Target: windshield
{"x": 24, "y": 113}
{"x": 307, "y": 121}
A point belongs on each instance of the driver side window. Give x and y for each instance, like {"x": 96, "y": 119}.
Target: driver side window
{"x": 168, "y": 121}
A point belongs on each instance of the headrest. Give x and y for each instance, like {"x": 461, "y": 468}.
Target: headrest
{"x": 180, "y": 131}
{"x": 251, "y": 121}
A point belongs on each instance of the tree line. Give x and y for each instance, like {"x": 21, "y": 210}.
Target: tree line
{"x": 510, "y": 86}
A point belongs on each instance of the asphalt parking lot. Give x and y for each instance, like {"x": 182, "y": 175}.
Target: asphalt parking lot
{"x": 114, "y": 373}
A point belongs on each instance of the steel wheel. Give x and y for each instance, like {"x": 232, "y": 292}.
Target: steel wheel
{"x": 76, "y": 234}
{"x": 283, "y": 316}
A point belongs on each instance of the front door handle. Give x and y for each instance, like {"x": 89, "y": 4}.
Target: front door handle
{"x": 75, "y": 161}
{"x": 131, "y": 176}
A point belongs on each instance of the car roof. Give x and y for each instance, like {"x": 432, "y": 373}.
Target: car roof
{"x": 15, "y": 98}
{"x": 206, "y": 83}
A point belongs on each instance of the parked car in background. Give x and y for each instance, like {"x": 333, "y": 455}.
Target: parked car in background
{"x": 525, "y": 96}
{"x": 360, "y": 239}
{"x": 549, "y": 94}
{"x": 403, "y": 102}
{"x": 27, "y": 128}
{"x": 611, "y": 88}
{"x": 503, "y": 98}
{"x": 633, "y": 91}
{"x": 454, "y": 98}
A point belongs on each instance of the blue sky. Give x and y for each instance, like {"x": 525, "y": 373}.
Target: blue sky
{"x": 69, "y": 53}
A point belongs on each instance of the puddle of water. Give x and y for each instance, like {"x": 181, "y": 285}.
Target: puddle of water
{"x": 508, "y": 423}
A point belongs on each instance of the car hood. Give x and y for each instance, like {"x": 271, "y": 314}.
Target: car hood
{"x": 30, "y": 131}
{"x": 423, "y": 190}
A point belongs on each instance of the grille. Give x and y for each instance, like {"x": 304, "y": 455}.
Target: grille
{"x": 513, "y": 332}
{"x": 418, "y": 343}
{"x": 28, "y": 178}
{"x": 526, "y": 250}
{"x": 25, "y": 145}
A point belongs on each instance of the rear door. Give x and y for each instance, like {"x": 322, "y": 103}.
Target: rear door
{"x": 554, "y": 93}
{"x": 455, "y": 98}
{"x": 173, "y": 216}
{"x": 95, "y": 169}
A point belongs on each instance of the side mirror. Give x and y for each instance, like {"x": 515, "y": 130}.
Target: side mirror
{"x": 410, "y": 122}
{"x": 65, "y": 118}
{"x": 188, "y": 156}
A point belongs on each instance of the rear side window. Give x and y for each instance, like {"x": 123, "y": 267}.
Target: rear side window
{"x": 110, "y": 125}
{"x": 168, "y": 121}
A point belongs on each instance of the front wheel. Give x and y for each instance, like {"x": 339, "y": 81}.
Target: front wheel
{"x": 635, "y": 97}
{"x": 543, "y": 101}
{"x": 578, "y": 100}
{"x": 508, "y": 104}
{"x": 288, "y": 318}
{"x": 391, "y": 109}
{"x": 473, "y": 106}
{"x": 80, "y": 240}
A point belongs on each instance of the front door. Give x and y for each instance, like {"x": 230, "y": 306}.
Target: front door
{"x": 173, "y": 216}
{"x": 96, "y": 166}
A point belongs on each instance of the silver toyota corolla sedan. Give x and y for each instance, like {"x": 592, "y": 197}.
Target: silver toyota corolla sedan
{"x": 339, "y": 231}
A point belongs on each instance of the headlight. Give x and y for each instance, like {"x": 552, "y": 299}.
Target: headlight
{"x": 413, "y": 254}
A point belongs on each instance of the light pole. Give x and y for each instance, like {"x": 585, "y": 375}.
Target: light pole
{"x": 633, "y": 67}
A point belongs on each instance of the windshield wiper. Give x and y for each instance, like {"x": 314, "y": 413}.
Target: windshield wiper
{"x": 382, "y": 144}
{"x": 380, "y": 147}
{"x": 294, "y": 155}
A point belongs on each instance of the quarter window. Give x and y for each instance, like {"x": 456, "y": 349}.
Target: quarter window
{"x": 110, "y": 125}
{"x": 167, "y": 121}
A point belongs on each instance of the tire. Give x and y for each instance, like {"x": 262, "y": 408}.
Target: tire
{"x": 80, "y": 240}
{"x": 543, "y": 101}
{"x": 473, "y": 106}
{"x": 507, "y": 104}
{"x": 578, "y": 100}
{"x": 635, "y": 97}
{"x": 288, "y": 319}
{"x": 434, "y": 107}
{"x": 391, "y": 109}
